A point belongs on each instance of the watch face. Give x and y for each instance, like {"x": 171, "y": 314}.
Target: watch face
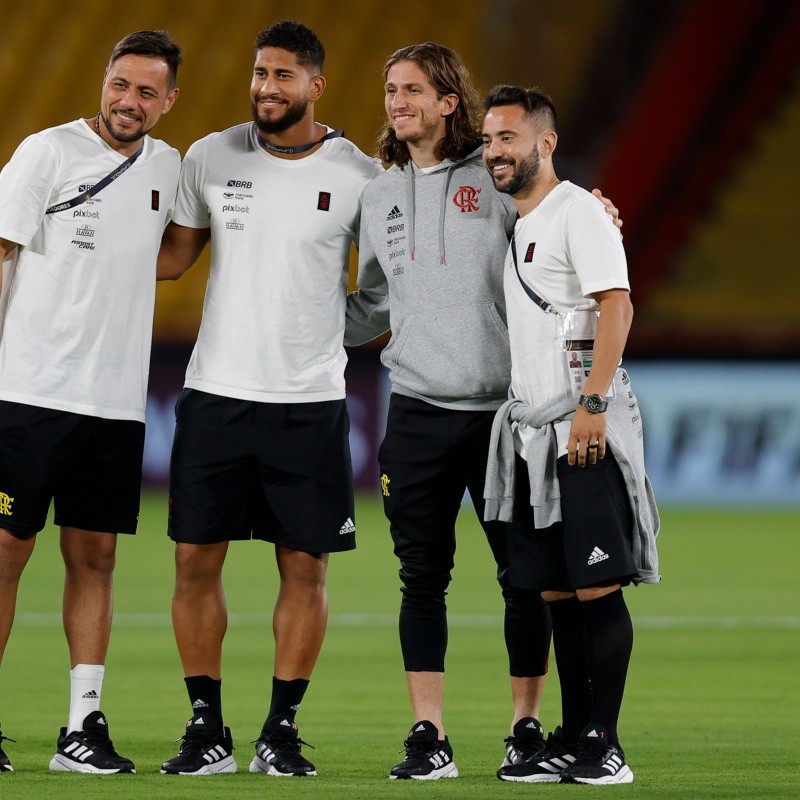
{"x": 594, "y": 404}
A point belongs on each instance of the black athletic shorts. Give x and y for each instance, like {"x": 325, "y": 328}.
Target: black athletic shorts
{"x": 275, "y": 471}
{"x": 90, "y": 467}
{"x": 428, "y": 458}
{"x": 592, "y": 544}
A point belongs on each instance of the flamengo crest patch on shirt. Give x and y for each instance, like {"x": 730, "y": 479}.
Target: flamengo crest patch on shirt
{"x": 324, "y": 201}
{"x": 529, "y": 252}
{"x": 466, "y": 198}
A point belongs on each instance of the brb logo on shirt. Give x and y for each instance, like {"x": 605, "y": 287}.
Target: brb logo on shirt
{"x": 466, "y": 198}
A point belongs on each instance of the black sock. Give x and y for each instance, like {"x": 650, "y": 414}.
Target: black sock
{"x": 608, "y": 641}
{"x": 527, "y": 631}
{"x": 568, "y": 638}
{"x": 205, "y": 695}
{"x": 286, "y": 698}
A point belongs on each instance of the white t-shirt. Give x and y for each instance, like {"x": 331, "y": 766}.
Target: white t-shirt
{"x": 76, "y": 311}
{"x": 567, "y": 249}
{"x": 273, "y": 316}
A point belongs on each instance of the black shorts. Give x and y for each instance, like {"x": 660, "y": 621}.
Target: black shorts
{"x": 428, "y": 458}
{"x": 592, "y": 544}
{"x": 90, "y": 467}
{"x": 275, "y": 471}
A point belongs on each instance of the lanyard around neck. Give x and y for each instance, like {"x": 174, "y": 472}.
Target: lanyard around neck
{"x": 101, "y": 184}
{"x": 297, "y": 148}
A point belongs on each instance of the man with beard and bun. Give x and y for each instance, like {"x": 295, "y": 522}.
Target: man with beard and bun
{"x": 433, "y": 238}
{"x": 82, "y": 210}
{"x": 570, "y": 468}
{"x": 261, "y": 444}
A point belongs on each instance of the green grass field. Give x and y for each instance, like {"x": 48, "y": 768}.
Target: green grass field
{"x": 711, "y": 710}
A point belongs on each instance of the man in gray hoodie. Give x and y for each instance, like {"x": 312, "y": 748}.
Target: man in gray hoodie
{"x": 433, "y": 237}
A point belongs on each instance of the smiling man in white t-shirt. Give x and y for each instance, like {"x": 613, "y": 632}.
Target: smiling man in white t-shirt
{"x": 261, "y": 444}
{"x": 82, "y": 210}
{"x": 566, "y": 263}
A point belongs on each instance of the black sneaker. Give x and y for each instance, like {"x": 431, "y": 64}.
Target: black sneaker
{"x": 598, "y": 762}
{"x": 527, "y": 740}
{"x": 428, "y": 758}
{"x": 546, "y": 765}
{"x": 278, "y": 751}
{"x": 89, "y": 750}
{"x": 5, "y": 764}
{"x": 205, "y": 749}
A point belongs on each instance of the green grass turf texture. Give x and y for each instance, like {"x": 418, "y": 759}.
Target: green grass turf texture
{"x": 711, "y": 709}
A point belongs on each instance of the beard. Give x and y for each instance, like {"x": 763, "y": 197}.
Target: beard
{"x": 525, "y": 174}
{"x": 293, "y": 113}
{"x": 118, "y": 136}
{"x": 425, "y": 132}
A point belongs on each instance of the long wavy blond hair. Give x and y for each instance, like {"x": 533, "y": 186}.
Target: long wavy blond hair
{"x": 448, "y": 75}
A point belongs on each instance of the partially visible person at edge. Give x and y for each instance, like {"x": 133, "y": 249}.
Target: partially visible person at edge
{"x": 261, "y": 445}
{"x": 77, "y": 291}
{"x": 569, "y": 453}
{"x": 433, "y": 238}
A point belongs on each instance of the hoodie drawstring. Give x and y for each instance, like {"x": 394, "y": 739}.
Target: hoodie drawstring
{"x": 409, "y": 170}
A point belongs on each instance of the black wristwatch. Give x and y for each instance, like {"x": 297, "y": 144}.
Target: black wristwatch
{"x": 593, "y": 403}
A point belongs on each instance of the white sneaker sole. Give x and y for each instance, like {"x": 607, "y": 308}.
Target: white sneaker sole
{"x": 59, "y": 763}
{"x": 259, "y": 765}
{"x": 223, "y": 765}
{"x": 448, "y": 771}
{"x": 625, "y": 775}
{"x": 554, "y": 778}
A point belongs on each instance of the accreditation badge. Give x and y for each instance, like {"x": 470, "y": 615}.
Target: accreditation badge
{"x": 576, "y": 334}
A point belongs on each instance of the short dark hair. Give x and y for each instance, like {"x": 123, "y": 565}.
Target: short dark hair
{"x": 537, "y": 105}
{"x": 448, "y": 74}
{"x": 154, "y": 44}
{"x": 291, "y": 35}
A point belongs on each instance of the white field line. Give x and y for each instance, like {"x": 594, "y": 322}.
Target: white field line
{"x": 156, "y": 620}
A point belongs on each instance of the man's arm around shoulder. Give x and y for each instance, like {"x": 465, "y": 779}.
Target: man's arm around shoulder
{"x": 5, "y": 250}
{"x": 180, "y": 248}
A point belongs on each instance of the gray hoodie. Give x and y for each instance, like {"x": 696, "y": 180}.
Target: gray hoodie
{"x": 432, "y": 248}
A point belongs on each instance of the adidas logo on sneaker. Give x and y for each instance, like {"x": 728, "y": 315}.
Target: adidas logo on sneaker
{"x": 395, "y": 213}
{"x": 278, "y": 750}
{"x": 597, "y": 762}
{"x": 89, "y": 749}
{"x": 206, "y": 749}
{"x": 427, "y": 757}
{"x": 90, "y": 695}
{"x": 597, "y": 556}
{"x": 348, "y": 527}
